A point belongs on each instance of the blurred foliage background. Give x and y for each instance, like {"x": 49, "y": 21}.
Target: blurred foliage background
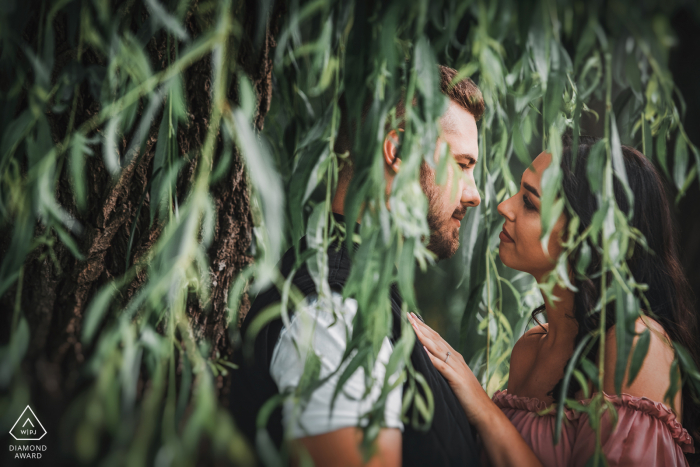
{"x": 157, "y": 157}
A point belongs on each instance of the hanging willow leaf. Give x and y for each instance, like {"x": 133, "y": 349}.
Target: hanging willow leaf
{"x": 618, "y": 161}
{"x": 680, "y": 162}
{"x": 661, "y": 147}
{"x": 647, "y": 145}
{"x": 97, "y": 311}
{"x": 262, "y": 171}
{"x": 159, "y": 15}
{"x": 632, "y": 73}
{"x": 566, "y": 379}
{"x": 519, "y": 145}
{"x": 553, "y": 97}
{"x": 625, "y": 307}
{"x": 674, "y": 386}
{"x": 640, "y": 352}
{"x": 110, "y": 146}
{"x": 13, "y": 353}
{"x": 78, "y": 151}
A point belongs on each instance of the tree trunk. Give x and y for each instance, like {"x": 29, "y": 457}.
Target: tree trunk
{"x": 55, "y": 288}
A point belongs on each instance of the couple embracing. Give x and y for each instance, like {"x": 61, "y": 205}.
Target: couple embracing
{"x": 468, "y": 427}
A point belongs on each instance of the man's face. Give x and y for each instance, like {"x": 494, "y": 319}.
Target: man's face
{"x": 447, "y": 206}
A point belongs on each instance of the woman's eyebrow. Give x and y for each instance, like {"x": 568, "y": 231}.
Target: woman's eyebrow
{"x": 531, "y": 189}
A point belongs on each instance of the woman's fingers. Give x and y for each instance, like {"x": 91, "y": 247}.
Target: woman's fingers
{"x": 424, "y": 332}
{"x": 446, "y": 370}
{"x": 429, "y": 343}
{"x": 437, "y": 348}
{"x": 430, "y": 332}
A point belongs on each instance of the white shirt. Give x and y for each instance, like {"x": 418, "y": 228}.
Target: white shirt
{"x": 311, "y": 324}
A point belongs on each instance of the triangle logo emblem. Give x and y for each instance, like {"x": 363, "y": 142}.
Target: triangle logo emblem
{"x": 28, "y": 427}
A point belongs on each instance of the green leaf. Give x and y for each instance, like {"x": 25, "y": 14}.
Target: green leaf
{"x": 78, "y": 150}
{"x": 159, "y": 15}
{"x": 566, "y": 379}
{"x": 553, "y": 97}
{"x": 268, "y": 185}
{"x": 633, "y": 76}
{"x": 406, "y": 270}
{"x": 686, "y": 361}
{"x": 109, "y": 148}
{"x": 310, "y": 376}
{"x": 12, "y": 355}
{"x": 647, "y": 142}
{"x": 618, "y": 160}
{"x": 680, "y": 162}
{"x": 697, "y": 158}
{"x": 247, "y": 96}
{"x": 639, "y": 354}
{"x": 353, "y": 365}
{"x": 68, "y": 241}
{"x": 584, "y": 258}
{"x": 175, "y": 90}
{"x": 426, "y": 72}
{"x": 661, "y": 148}
{"x": 585, "y": 43}
{"x": 674, "y": 386}
{"x": 624, "y": 332}
{"x": 13, "y": 134}
{"x": 160, "y": 160}
{"x": 519, "y": 145}
{"x": 595, "y": 167}
{"x": 591, "y": 372}
{"x": 97, "y": 310}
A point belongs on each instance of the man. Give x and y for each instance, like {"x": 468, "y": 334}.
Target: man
{"x": 331, "y": 437}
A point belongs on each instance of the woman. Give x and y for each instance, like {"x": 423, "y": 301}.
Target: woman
{"x": 648, "y": 432}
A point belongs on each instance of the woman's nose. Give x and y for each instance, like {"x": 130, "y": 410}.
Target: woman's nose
{"x": 505, "y": 210}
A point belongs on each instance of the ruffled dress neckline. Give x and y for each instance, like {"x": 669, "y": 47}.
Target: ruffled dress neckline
{"x": 654, "y": 409}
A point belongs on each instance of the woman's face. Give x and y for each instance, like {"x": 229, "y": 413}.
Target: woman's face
{"x": 520, "y": 246}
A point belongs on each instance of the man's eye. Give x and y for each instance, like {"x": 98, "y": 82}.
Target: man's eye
{"x": 464, "y": 166}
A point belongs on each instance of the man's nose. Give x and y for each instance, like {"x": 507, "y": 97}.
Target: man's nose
{"x": 470, "y": 194}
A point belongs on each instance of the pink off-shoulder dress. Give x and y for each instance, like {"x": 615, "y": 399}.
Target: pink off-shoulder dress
{"x": 647, "y": 432}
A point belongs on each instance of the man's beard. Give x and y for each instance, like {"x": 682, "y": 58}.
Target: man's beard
{"x": 444, "y": 239}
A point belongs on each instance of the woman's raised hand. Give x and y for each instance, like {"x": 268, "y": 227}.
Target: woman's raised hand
{"x": 503, "y": 444}
{"x": 464, "y": 384}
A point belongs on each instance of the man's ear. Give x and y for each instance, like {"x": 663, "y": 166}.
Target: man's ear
{"x": 391, "y": 150}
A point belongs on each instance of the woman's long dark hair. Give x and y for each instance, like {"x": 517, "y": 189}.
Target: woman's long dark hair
{"x": 669, "y": 296}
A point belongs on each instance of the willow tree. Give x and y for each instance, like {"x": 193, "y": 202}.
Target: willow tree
{"x": 143, "y": 199}
{"x": 125, "y": 215}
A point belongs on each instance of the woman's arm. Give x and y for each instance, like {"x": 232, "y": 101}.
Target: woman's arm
{"x": 503, "y": 443}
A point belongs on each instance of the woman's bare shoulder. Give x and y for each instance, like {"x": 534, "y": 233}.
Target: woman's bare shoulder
{"x": 525, "y": 350}
{"x": 653, "y": 378}
{"x": 530, "y": 340}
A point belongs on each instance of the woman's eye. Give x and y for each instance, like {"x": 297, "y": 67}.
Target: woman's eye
{"x": 528, "y": 204}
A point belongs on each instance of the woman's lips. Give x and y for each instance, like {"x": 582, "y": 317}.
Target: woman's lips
{"x": 505, "y": 238}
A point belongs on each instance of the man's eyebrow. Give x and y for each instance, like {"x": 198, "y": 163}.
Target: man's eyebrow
{"x": 469, "y": 157}
{"x": 531, "y": 189}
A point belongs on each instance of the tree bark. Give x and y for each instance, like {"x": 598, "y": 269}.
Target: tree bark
{"x": 56, "y": 288}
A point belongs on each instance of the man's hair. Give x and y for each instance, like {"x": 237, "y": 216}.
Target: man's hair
{"x": 464, "y": 93}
